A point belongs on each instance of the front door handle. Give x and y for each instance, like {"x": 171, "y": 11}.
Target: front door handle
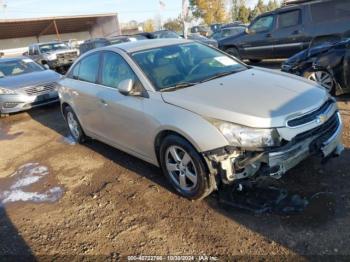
{"x": 296, "y": 32}
{"x": 103, "y": 102}
{"x": 268, "y": 35}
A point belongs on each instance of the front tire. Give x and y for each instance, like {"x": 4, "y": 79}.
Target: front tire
{"x": 233, "y": 51}
{"x": 74, "y": 126}
{"x": 184, "y": 167}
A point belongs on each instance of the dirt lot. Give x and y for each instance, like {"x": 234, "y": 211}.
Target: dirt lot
{"x": 95, "y": 200}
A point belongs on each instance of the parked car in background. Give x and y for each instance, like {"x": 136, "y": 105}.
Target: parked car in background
{"x": 203, "y": 39}
{"x": 327, "y": 63}
{"x": 215, "y": 27}
{"x": 159, "y": 34}
{"x": 233, "y": 24}
{"x": 72, "y": 43}
{"x": 227, "y": 31}
{"x": 56, "y": 55}
{"x": 201, "y": 115}
{"x": 101, "y": 42}
{"x": 24, "y": 84}
{"x": 126, "y": 38}
{"x": 201, "y": 29}
{"x": 90, "y": 44}
{"x": 289, "y": 30}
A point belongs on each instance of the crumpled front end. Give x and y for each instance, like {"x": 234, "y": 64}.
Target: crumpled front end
{"x": 317, "y": 133}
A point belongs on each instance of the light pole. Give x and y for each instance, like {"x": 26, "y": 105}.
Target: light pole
{"x": 185, "y": 11}
{"x": 3, "y": 6}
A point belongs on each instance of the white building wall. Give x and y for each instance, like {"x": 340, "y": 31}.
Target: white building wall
{"x": 105, "y": 26}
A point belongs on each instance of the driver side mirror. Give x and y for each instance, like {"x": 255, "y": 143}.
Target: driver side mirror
{"x": 46, "y": 66}
{"x": 128, "y": 87}
{"x": 125, "y": 87}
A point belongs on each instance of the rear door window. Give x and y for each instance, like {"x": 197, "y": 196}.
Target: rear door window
{"x": 330, "y": 10}
{"x": 289, "y": 19}
{"x": 89, "y": 66}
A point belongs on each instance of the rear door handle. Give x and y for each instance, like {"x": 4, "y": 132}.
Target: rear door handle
{"x": 296, "y": 32}
{"x": 268, "y": 35}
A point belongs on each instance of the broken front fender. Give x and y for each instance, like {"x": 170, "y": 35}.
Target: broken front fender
{"x": 233, "y": 164}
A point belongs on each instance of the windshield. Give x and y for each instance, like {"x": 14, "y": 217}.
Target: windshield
{"x": 190, "y": 63}
{"x": 18, "y": 67}
{"x": 45, "y": 48}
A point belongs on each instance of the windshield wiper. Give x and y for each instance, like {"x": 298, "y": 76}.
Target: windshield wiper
{"x": 220, "y": 75}
{"x": 178, "y": 86}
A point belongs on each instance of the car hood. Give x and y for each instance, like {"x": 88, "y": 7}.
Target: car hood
{"x": 30, "y": 79}
{"x": 256, "y": 97}
{"x": 61, "y": 52}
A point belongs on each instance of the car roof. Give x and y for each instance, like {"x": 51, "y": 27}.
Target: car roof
{"x": 136, "y": 46}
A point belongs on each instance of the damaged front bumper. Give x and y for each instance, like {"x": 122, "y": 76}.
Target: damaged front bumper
{"x": 232, "y": 164}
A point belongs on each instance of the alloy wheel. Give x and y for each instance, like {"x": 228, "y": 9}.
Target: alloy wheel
{"x": 73, "y": 125}
{"x": 323, "y": 78}
{"x": 181, "y": 168}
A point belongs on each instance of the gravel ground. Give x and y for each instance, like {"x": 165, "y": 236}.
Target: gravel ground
{"x": 95, "y": 200}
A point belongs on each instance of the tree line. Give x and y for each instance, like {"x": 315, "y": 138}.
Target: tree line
{"x": 216, "y": 11}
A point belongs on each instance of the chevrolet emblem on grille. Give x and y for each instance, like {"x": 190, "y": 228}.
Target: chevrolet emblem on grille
{"x": 321, "y": 119}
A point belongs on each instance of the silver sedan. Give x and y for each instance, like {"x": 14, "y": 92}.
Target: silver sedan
{"x": 25, "y": 84}
{"x": 201, "y": 115}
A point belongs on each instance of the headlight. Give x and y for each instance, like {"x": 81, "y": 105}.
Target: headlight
{"x": 52, "y": 57}
{"x": 242, "y": 136}
{"x": 4, "y": 91}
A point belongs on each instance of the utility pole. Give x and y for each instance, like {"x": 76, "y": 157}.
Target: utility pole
{"x": 185, "y": 16}
{"x": 3, "y": 6}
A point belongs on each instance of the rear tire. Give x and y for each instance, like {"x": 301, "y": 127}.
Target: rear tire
{"x": 184, "y": 167}
{"x": 74, "y": 126}
{"x": 233, "y": 51}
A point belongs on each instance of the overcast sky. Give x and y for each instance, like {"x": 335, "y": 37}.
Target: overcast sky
{"x": 139, "y": 10}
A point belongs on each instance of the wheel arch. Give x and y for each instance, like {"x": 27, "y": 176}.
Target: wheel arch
{"x": 162, "y": 134}
{"x": 64, "y": 105}
{"x": 230, "y": 46}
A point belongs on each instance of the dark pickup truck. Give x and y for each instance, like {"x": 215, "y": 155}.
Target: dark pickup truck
{"x": 289, "y": 30}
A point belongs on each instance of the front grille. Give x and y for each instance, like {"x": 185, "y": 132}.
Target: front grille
{"x": 70, "y": 55}
{"x": 42, "y": 89}
{"x": 324, "y": 131}
{"x": 311, "y": 116}
{"x": 10, "y": 104}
